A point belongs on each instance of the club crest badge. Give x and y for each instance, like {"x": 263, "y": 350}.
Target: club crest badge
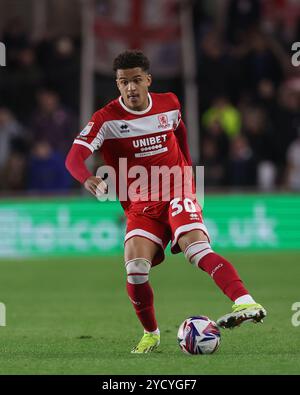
{"x": 163, "y": 121}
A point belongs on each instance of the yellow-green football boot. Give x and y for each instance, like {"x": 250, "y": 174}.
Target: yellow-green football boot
{"x": 253, "y": 312}
{"x": 148, "y": 343}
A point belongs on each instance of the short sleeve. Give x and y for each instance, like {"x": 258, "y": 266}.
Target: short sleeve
{"x": 92, "y": 135}
{"x": 178, "y": 108}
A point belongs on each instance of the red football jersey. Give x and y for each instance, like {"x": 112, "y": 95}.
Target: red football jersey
{"x": 127, "y": 138}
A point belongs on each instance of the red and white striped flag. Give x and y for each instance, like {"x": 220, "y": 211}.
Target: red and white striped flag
{"x": 152, "y": 26}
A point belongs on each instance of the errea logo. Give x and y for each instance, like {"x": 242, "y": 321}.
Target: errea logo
{"x": 215, "y": 269}
{"x": 2, "y": 54}
{"x": 124, "y": 128}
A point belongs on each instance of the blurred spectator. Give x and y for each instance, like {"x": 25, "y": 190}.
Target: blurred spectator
{"x": 15, "y": 39}
{"x": 242, "y": 169}
{"x": 257, "y": 133}
{"x": 14, "y": 172}
{"x": 260, "y": 62}
{"x": 63, "y": 71}
{"x": 46, "y": 170}
{"x": 25, "y": 81}
{"x": 218, "y": 73}
{"x": 226, "y": 114}
{"x": 12, "y": 152}
{"x": 215, "y": 132}
{"x": 53, "y": 123}
{"x": 11, "y": 135}
{"x": 214, "y": 169}
{"x": 266, "y": 176}
{"x": 242, "y": 15}
{"x": 266, "y": 97}
{"x": 285, "y": 122}
{"x": 293, "y": 164}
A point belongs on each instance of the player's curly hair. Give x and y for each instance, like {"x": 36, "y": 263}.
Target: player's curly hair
{"x": 131, "y": 59}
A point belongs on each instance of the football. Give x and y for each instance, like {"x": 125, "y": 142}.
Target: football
{"x": 198, "y": 335}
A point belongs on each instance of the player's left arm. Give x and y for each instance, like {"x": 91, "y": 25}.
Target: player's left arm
{"x": 181, "y": 131}
{"x": 181, "y": 135}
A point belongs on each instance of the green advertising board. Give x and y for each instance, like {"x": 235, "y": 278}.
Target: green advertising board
{"x": 83, "y": 226}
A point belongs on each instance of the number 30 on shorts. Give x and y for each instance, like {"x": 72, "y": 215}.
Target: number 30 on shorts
{"x": 177, "y": 206}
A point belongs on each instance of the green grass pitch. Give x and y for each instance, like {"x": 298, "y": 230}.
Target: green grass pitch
{"x": 72, "y": 316}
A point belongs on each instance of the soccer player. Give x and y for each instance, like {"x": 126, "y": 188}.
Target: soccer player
{"x": 147, "y": 130}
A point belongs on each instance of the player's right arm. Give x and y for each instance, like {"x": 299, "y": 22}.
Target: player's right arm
{"x": 89, "y": 140}
{"x": 75, "y": 163}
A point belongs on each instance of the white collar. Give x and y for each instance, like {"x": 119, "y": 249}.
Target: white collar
{"x": 137, "y": 112}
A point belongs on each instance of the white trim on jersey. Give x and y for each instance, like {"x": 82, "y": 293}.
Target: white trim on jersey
{"x": 144, "y": 233}
{"x": 79, "y": 142}
{"x": 138, "y": 127}
{"x": 188, "y": 228}
{"x": 137, "y": 112}
{"x": 95, "y": 144}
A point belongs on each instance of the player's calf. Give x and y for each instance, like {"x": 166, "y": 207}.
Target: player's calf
{"x": 200, "y": 254}
{"x": 140, "y": 292}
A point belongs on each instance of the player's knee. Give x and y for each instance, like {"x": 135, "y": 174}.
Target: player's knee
{"x": 197, "y": 251}
{"x": 138, "y": 270}
{"x": 192, "y": 236}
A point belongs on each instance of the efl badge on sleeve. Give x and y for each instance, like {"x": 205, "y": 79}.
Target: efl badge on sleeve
{"x": 87, "y": 129}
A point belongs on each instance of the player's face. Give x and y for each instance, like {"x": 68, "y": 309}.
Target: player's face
{"x": 133, "y": 85}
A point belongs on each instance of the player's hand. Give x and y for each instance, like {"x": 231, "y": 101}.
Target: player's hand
{"x": 96, "y": 186}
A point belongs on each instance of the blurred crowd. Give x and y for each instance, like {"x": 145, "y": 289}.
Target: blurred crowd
{"x": 250, "y": 95}
{"x": 249, "y": 102}
{"x": 39, "y": 105}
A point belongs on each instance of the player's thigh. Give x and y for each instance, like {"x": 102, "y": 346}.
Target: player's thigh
{"x": 186, "y": 222}
{"x": 140, "y": 247}
{"x": 191, "y": 237}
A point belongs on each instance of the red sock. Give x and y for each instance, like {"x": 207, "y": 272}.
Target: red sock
{"x": 141, "y": 296}
{"x": 224, "y": 274}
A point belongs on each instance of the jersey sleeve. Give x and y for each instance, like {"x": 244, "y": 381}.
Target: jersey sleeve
{"x": 177, "y": 106}
{"x": 92, "y": 135}
{"x": 180, "y": 132}
{"x": 75, "y": 162}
